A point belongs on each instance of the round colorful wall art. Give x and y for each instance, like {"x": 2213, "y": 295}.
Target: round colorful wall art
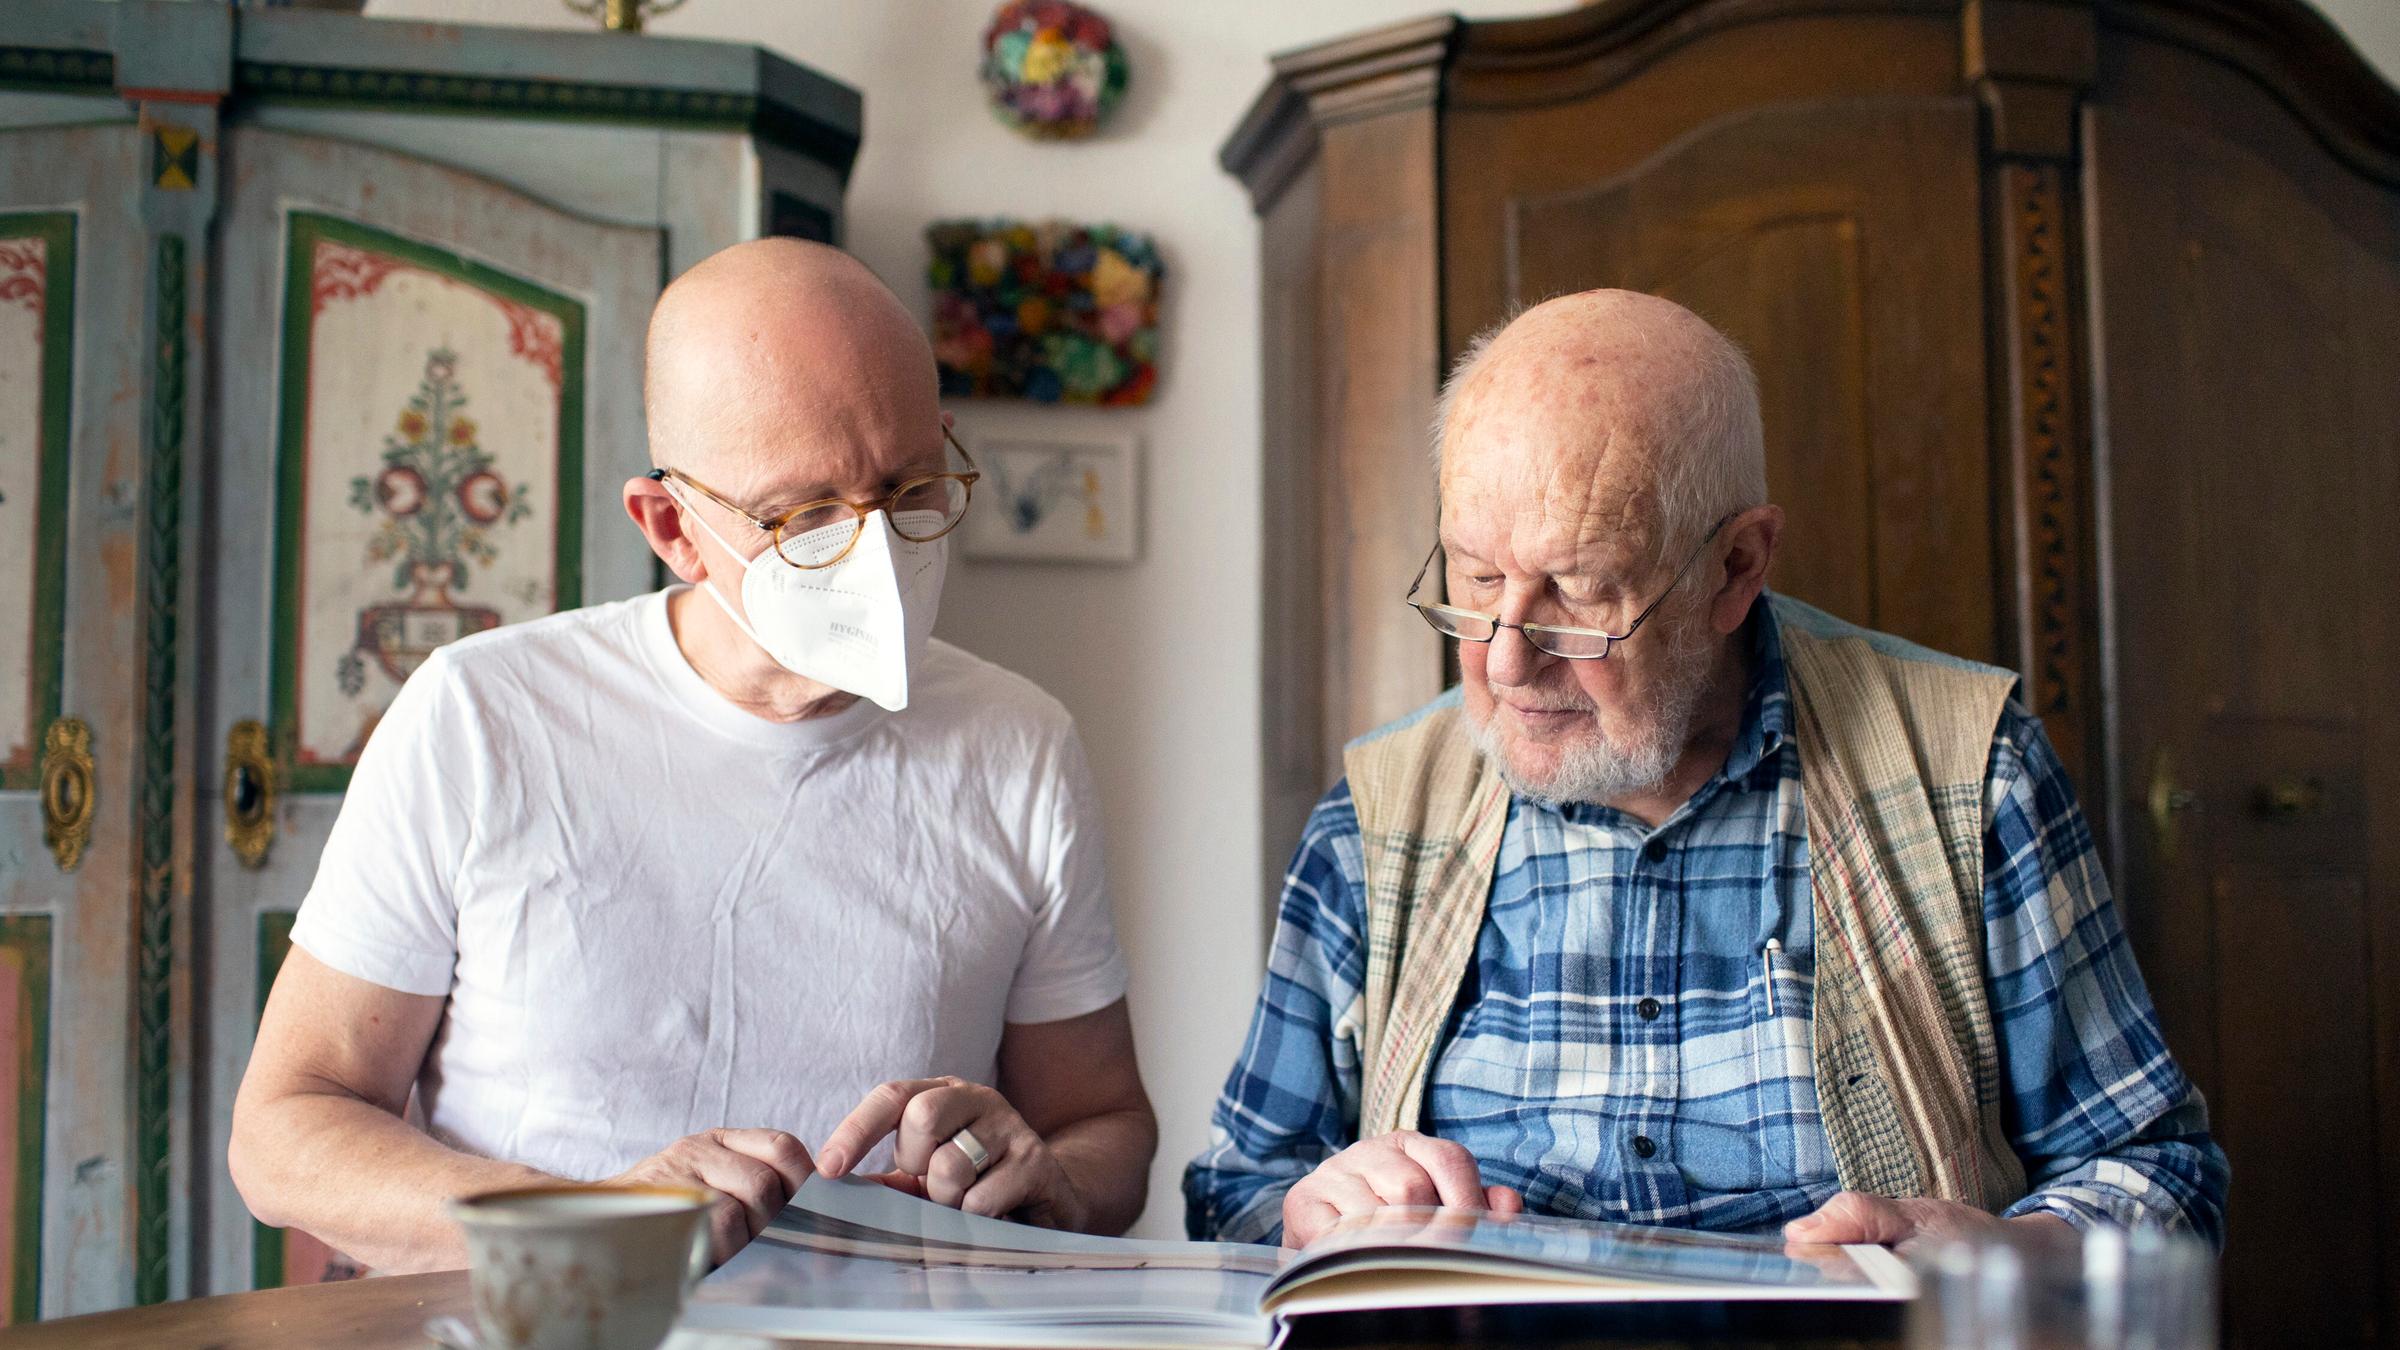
{"x": 1054, "y": 312}
{"x": 1053, "y": 68}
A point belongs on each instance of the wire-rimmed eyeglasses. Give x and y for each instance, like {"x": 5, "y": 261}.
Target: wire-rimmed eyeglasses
{"x": 821, "y": 533}
{"x": 1575, "y": 644}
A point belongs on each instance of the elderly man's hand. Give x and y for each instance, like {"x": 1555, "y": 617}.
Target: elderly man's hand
{"x": 924, "y": 1115}
{"x": 1905, "y": 1225}
{"x": 1400, "y": 1168}
{"x": 753, "y": 1172}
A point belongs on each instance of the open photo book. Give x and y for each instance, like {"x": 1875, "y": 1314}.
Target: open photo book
{"x": 852, "y": 1260}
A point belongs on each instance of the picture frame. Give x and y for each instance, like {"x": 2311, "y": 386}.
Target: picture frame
{"x": 1072, "y": 497}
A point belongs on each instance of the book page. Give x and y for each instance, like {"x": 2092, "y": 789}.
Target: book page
{"x": 861, "y": 1217}
{"x": 854, "y": 1260}
{"x": 1418, "y": 1257}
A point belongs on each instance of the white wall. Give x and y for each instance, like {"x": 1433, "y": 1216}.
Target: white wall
{"x": 1159, "y": 660}
{"x": 2373, "y": 26}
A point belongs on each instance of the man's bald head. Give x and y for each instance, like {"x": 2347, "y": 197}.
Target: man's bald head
{"x": 1587, "y": 450}
{"x": 1622, "y": 406}
{"x": 780, "y": 367}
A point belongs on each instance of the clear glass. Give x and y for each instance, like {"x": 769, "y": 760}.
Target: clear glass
{"x": 1575, "y": 644}
{"x": 822, "y": 533}
{"x": 2146, "y": 1289}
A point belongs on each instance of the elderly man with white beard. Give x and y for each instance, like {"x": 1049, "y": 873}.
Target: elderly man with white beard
{"x": 1691, "y": 905}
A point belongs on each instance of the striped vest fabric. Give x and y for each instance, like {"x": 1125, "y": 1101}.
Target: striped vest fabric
{"x": 1894, "y": 742}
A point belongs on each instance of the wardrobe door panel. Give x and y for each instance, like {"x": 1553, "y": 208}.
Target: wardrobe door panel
{"x": 435, "y": 448}
{"x": 2246, "y": 342}
{"x": 1862, "y": 307}
{"x": 76, "y": 355}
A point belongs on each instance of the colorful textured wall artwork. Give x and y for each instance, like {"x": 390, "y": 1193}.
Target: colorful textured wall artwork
{"x": 431, "y": 472}
{"x": 1053, "y": 69}
{"x": 1055, "y": 313}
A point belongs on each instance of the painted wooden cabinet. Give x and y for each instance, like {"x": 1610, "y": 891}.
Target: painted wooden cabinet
{"x": 320, "y": 346}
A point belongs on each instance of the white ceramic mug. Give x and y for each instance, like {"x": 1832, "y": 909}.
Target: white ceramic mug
{"x": 583, "y": 1267}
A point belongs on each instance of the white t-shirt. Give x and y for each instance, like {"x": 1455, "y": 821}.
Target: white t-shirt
{"x": 653, "y": 913}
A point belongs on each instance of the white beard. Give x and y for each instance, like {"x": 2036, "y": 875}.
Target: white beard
{"x": 1603, "y": 767}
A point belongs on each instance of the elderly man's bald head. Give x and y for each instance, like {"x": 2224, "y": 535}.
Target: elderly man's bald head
{"x": 1601, "y": 469}
{"x": 1629, "y": 404}
{"x": 778, "y": 367}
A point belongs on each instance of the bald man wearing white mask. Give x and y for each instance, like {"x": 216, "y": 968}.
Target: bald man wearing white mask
{"x": 671, "y": 890}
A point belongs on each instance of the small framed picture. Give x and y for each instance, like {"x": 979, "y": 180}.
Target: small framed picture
{"x": 1056, "y": 499}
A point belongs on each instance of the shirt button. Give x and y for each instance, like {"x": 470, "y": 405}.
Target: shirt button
{"x": 1648, "y": 1008}
{"x": 1642, "y": 1147}
{"x": 1655, "y": 851}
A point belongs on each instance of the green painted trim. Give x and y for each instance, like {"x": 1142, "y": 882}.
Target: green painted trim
{"x": 266, "y": 1256}
{"x": 28, "y": 935}
{"x": 430, "y": 91}
{"x": 162, "y": 578}
{"x": 54, "y": 69}
{"x": 56, "y": 229}
{"x": 549, "y": 101}
{"x": 291, "y": 480}
{"x": 305, "y": 229}
{"x": 566, "y": 570}
{"x": 275, "y": 82}
{"x": 274, "y": 943}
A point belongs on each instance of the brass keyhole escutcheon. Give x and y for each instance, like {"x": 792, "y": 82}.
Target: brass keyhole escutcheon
{"x": 67, "y": 790}
{"x": 249, "y": 793}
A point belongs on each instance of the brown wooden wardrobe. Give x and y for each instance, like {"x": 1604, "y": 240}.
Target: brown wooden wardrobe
{"x": 2078, "y": 330}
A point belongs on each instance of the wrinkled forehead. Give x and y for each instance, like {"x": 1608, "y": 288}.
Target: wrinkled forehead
{"x": 1543, "y": 487}
{"x": 1563, "y": 525}
{"x": 787, "y": 447}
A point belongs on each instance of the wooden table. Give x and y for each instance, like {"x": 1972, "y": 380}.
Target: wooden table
{"x": 382, "y": 1314}
{"x": 390, "y": 1314}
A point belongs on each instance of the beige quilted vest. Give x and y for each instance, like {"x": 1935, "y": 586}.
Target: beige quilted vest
{"x": 1894, "y": 742}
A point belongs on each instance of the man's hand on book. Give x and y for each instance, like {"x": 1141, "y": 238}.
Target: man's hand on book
{"x": 1020, "y": 1177}
{"x": 1904, "y": 1225}
{"x": 753, "y": 1172}
{"x": 1400, "y": 1168}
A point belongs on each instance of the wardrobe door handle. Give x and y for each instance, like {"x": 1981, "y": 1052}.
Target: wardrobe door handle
{"x": 2169, "y": 803}
{"x": 2288, "y": 800}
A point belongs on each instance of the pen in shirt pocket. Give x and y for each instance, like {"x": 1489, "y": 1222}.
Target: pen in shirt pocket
{"x": 1766, "y": 961}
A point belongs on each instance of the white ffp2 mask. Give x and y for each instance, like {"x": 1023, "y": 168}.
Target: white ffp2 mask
{"x": 860, "y": 625}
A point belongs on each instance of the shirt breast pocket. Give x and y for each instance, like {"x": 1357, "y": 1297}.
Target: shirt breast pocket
{"x": 1783, "y": 1069}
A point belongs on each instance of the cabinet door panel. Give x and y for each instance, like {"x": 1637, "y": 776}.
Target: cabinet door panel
{"x": 75, "y": 273}
{"x": 1836, "y": 243}
{"x": 2247, "y": 339}
{"x": 428, "y": 404}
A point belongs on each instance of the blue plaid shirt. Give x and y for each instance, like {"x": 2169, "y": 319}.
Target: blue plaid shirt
{"x": 1615, "y": 1055}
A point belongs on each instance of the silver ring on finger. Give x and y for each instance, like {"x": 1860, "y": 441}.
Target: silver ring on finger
{"x": 978, "y": 1157}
